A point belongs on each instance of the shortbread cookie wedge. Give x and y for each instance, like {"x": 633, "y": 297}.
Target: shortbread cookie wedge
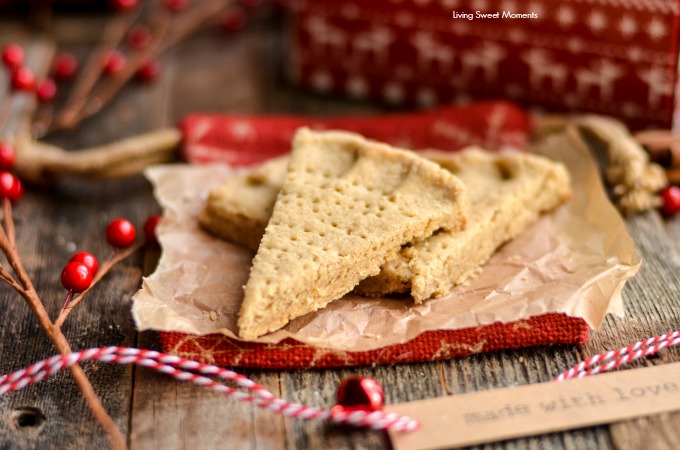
{"x": 239, "y": 209}
{"x": 346, "y": 206}
{"x": 492, "y": 180}
{"x": 507, "y": 193}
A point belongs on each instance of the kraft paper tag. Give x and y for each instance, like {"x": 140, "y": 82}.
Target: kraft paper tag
{"x": 488, "y": 416}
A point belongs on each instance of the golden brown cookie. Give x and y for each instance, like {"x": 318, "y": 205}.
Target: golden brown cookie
{"x": 346, "y": 206}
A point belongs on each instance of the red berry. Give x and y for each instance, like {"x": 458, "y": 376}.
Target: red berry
{"x": 114, "y": 63}
{"x": 360, "y": 392}
{"x": 138, "y": 37}
{"x": 124, "y": 5}
{"x": 13, "y": 56}
{"x": 671, "y": 200}
{"x": 149, "y": 71}
{"x": 150, "y": 228}
{"x": 23, "y": 79}
{"x": 120, "y": 233}
{"x": 76, "y": 277}
{"x": 234, "y": 19}
{"x": 88, "y": 260}
{"x": 7, "y": 155}
{"x": 65, "y": 66}
{"x": 176, "y": 5}
{"x": 10, "y": 187}
{"x": 47, "y": 91}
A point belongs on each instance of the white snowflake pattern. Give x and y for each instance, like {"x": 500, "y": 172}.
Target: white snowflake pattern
{"x": 628, "y": 26}
{"x": 634, "y": 53}
{"x": 656, "y": 29}
{"x": 350, "y": 11}
{"x": 461, "y": 27}
{"x": 322, "y": 81}
{"x": 404, "y": 19}
{"x": 517, "y": 35}
{"x": 509, "y": 5}
{"x": 426, "y": 97}
{"x": 570, "y": 99}
{"x": 597, "y": 21}
{"x": 242, "y": 130}
{"x": 537, "y": 7}
{"x": 514, "y": 90}
{"x": 450, "y": 3}
{"x": 575, "y": 45}
{"x": 630, "y": 109}
{"x": 394, "y": 93}
{"x": 566, "y": 16}
{"x": 480, "y": 5}
{"x": 357, "y": 87}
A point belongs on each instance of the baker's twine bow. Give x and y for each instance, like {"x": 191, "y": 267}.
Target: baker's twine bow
{"x": 192, "y": 371}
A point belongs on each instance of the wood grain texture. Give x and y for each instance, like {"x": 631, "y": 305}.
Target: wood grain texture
{"x": 244, "y": 74}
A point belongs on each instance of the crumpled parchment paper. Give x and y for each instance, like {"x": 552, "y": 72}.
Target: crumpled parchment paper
{"x": 574, "y": 260}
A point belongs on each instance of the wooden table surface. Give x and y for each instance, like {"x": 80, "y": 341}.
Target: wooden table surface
{"x": 244, "y": 73}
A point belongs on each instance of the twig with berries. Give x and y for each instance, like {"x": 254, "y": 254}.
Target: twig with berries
{"x": 105, "y": 73}
{"x": 79, "y": 276}
{"x": 129, "y": 48}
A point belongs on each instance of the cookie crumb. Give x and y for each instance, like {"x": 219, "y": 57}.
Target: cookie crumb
{"x": 213, "y": 316}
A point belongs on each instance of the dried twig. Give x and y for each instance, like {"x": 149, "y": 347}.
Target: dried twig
{"x": 167, "y": 32}
{"x": 92, "y": 70}
{"x": 42, "y": 163}
{"x": 119, "y": 256}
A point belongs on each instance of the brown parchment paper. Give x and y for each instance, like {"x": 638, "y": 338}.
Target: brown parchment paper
{"x": 574, "y": 260}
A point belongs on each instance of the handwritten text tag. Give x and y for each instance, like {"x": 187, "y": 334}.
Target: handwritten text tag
{"x": 488, "y": 416}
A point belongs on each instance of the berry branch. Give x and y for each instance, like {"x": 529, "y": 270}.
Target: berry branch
{"x": 79, "y": 276}
{"x": 131, "y": 44}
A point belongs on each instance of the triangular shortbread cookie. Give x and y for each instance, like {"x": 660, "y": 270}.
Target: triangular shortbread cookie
{"x": 507, "y": 193}
{"x": 346, "y": 206}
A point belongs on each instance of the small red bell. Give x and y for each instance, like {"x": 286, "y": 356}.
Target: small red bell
{"x": 363, "y": 393}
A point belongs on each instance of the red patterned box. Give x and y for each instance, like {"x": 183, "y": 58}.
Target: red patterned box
{"x": 615, "y": 57}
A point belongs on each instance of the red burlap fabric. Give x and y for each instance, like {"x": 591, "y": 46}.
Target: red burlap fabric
{"x": 547, "y": 329}
{"x": 242, "y": 141}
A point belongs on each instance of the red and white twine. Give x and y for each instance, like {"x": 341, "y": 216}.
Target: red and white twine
{"x": 616, "y": 358}
{"x": 187, "y": 370}
{"x": 192, "y": 371}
